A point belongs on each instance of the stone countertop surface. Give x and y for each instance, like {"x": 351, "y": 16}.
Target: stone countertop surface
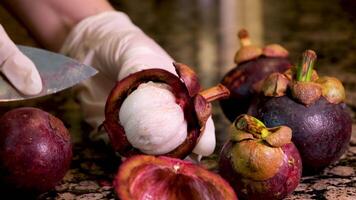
{"x": 189, "y": 31}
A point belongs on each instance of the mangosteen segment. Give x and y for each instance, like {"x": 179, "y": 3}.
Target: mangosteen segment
{"x": 142, "y": 177}
{"x": 196, "y": 106}
{"x": 124, "y": 87}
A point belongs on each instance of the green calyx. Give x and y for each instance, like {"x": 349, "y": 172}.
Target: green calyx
{"x": 247, "y": 127}
{"x": 256, "y": 153}
{"x": 305, "y": 70}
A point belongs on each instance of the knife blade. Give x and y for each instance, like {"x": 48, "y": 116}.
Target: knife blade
{"x": 57, "y": 71}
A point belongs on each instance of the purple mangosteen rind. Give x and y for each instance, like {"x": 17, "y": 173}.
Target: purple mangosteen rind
{"x": 162, "y": 177}
{"x": 245, "y": 82}
{"x": 313, "y": 108}
{"x": 321, "y": 131}
{"x": 259, "y": 156}
{"x": 196, "y": 106}
{"x": 256, "y": 169}
{"x": 276, "y": 187}
{"x": 253, "y": 66}
{"x": 33, "y": 145}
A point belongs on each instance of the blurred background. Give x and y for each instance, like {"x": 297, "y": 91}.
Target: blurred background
{"x": 203, "y": 34}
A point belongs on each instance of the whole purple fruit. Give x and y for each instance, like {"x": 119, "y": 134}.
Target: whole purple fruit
{"x": 260, "y": 162}
{"x": 253, "y": 66}
{"x": 313, "y": 108}
{"x": 35, "y": 150}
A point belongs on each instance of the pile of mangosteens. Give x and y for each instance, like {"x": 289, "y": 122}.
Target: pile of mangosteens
{"x": 290, "y": 104}
{"x": 295, "y": 123}
{"x": 313, "y": 107}
{"x": 285, "y": 105}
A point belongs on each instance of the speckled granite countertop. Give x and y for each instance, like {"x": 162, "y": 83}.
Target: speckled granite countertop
{"x": 189, "y": 31}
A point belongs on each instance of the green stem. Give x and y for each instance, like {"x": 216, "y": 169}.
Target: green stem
{"x": 305, "y": 70}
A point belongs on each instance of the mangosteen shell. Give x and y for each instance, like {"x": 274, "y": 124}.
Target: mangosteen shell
{"x": 35, "y": 150}
{"x": 169, "y": 178}
{"x": 244, "y": 82}
{"x": 321, "y": 131}
{"x": 276, "y": 187}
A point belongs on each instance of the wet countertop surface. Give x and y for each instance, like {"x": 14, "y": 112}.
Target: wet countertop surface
{"x": 202, "y": 34}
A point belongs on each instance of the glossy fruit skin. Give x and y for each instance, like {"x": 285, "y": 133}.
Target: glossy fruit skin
{"x": 35, "y": 150}
{"x": 279, "y": 186}
{"x": 243, "y": 81}
{"x": 321, "y": 131}
{"x": 144, "y": 177}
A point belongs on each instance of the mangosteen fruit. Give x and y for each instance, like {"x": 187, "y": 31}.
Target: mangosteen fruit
{"x": 35, "y": 150}
{"x": 157, "y": 112}
{"x": 313, "y": 107}
{"x": 148, "y": 177}
{"x": 260, "y": 162}
{"x": 254, "y": 64}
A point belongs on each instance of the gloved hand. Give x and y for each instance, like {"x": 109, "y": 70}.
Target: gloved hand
{"x": 18, "y": 68}
{"x": 112, "y": 44}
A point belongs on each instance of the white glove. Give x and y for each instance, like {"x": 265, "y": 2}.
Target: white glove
{"x": 112, "y": 44}
{"x": 18, "y": 68}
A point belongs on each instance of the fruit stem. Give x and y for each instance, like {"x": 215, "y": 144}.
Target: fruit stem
{"x": 305, "y": 70}
{"x": 244, "y": 37}
{"x": 251, "y": 125}
{"x": 215, "y": 93}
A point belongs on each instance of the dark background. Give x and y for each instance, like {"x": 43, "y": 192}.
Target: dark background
{"x": 202, "y": 34}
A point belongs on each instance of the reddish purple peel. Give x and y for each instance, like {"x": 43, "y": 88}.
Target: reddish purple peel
{"x": 203, "y": 109}
{"x": 35, "y": 150}
{"x": 124, "y": 87}
{"x": 189, "y": 78}
{"x": 257, "y": 161}
{"x": 279, "y": 186}
{"x": 142, "y": 177}
{"x": 242, "y": 79}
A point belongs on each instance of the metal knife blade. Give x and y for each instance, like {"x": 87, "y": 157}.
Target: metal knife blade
{"x": 58, "y": 72}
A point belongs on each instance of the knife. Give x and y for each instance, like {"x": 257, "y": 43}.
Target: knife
{"x": 57, "y": 71}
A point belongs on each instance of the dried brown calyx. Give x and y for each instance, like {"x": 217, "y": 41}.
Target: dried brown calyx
{"x": 186, "y": 90}
{"x": 260, "y": 156}
{"x": 249, "y": 52}
{"x": 305, "y": 84}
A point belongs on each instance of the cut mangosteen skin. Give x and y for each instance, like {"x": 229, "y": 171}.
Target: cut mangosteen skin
{"x": 243, "y": 80}
{"x": 35, "y": 150}
{"x": 144, "y": 176}
{"x": 321, "y": 131}
{"x": 277, "y": 187}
